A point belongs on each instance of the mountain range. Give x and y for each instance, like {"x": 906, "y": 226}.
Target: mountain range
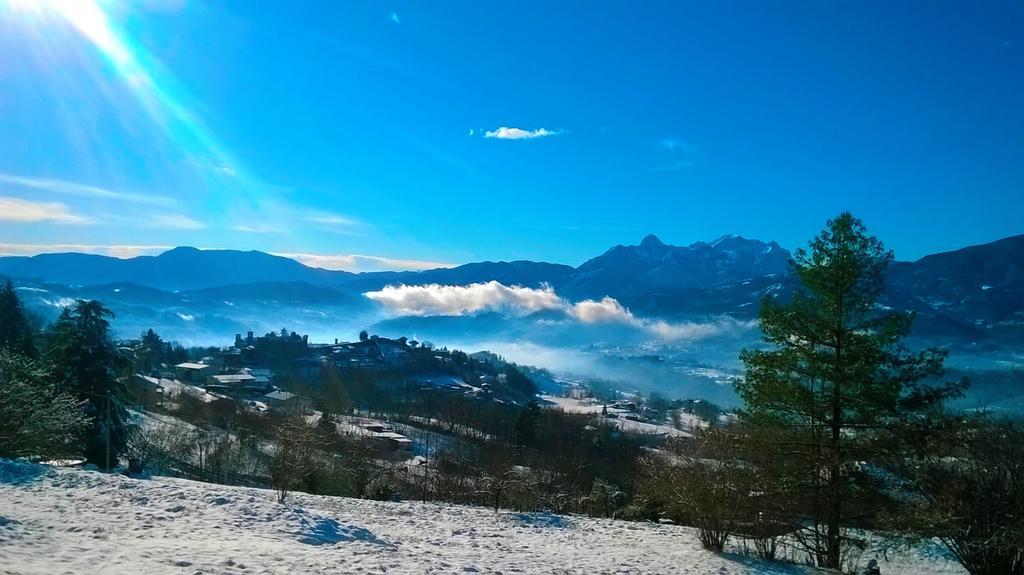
{"x": 974, "y": 295}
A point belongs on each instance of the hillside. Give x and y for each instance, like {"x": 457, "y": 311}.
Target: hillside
{"x": 56, "y": 520}
{"x": 181, "y": 268}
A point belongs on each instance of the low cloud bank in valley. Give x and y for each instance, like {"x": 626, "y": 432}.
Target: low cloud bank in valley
{"x": 493, "y": 296}
{"x": 437, "y": 299}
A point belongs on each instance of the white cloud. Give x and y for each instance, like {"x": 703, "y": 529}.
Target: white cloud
{"x": 394, "y": 18}
{"x": 56, "y": 186}
{"x": 116, "y": 251}
{"x": 452, "y": 300}
{"x": 176, "y": 222}
{"x": 678, "y": 156}
{"x": 436, "y": 299}
{"x": 257, "y": 229}
{"x": 19, "y": 210}
{"x": 505, "y": 133}
{"x": 361, "y": 263}
{"x": 673, "y": 144}
{"x": 333, "y": 222}
{"x": 608, "y": 310}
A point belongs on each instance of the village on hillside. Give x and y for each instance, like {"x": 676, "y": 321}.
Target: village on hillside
{"x": 401, "y": 399}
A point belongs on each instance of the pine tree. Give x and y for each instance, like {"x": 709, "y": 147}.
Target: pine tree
{"x": 838, "y": 375}
{"x": 15, "y": 332}
{"x": 36, "y": 419}
{"x": 87, "y": 363}
{"x": 525, "y": 432}
{"x": 150, "y": 352}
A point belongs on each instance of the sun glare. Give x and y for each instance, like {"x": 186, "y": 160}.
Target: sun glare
{"x": 153, "y": 87}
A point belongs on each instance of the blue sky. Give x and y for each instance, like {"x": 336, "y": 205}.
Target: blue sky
{"x": 346, "y": 129}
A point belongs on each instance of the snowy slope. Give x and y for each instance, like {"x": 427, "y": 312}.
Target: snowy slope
{"x": 68, "y": 521}
{"x": 593, "y": 406}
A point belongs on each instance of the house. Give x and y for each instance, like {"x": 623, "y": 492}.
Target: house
{"x": 391, "y": 440}
{"x": 232, "y": 357}
{"x": 148, "y": 389}
{"x": 370, "y": 352}
{"x": 260, "y": 372}
{"x": 449, "y": 382}
{"x": 239, "y": 383}
{"x": 286, "y": 401}
{"x": 375, "y": 426}
{"x": 194, "y": 373}
{"x": 392, "y": 352}
{"x": 231, "y": 380}
{"x": 385, "y": 435}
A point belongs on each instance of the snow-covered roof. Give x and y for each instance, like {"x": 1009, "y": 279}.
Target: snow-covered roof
{"x": 233, "y": 378}
{"x": 396, "y": 437}
{"x": 279, "y": 395}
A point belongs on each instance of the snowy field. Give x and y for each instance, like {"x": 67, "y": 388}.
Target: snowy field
{"x": 594, "y": 407}
{"x": 69, "y": 521}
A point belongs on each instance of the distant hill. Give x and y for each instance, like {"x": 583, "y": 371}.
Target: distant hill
{"x": 181, "y": 268}
{"x": 977, "y": 290}
{"x": 186, "y": 268}
{"x": 522, "y": 273}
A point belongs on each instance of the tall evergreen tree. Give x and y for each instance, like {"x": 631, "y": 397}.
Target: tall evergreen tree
{"x": 87, "y": 363}
{"x": 525, "y": 433}
{"x": 15, "y": 331}
{"x": 36, "y": 418}
{"x": 837, "y": 376}
{"x": 150, "y": 352}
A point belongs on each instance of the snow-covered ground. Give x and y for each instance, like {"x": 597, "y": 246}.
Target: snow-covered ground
{"x": 594, "y": 407}
{"x": 71, "y": 521}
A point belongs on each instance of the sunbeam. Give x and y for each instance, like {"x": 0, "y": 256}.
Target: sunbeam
{"x": 155, "y": 89}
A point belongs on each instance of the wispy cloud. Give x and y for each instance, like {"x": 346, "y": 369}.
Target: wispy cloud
{"x": 282, "y": 217}
{"x": 19, "y": 210}
{"x": 673, "y": 144}
{"x": 331, "y": 220}
{"x": 336, "y": 223}
{"x": 256, "y": 229}
{"x": 362, "y": 263}
{"x": 117, "y": 251}
{"x": 394, "y": 18}
{"x": 65, "y": 187}
{"x": 678, "y": 155}
{"x": 506, "y": 133}
{"x": 175, "y": 222}
{"x": 212, "y": 167}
